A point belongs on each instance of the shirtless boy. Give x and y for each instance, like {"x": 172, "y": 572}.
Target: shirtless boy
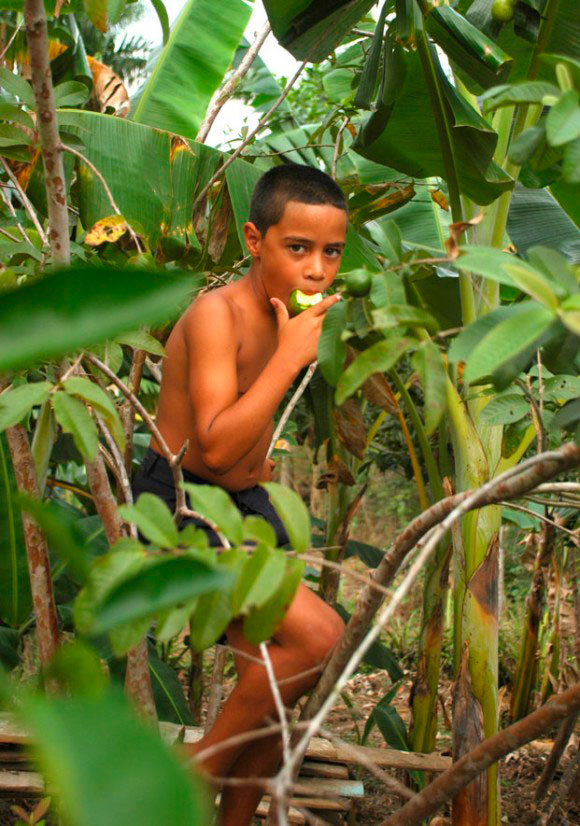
{"x": 230, "y": 360}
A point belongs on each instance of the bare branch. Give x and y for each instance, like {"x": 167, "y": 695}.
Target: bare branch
{"x": 448, "y": 784}
{"x": 512, "y": 505}
{"x": 12, "y": 211}
{"x": 564, "y": 733}
{"x": 231, "y": 158}
{"x": 229, "y": 87}
{"x": 30, "y": 211}
{"x": 512, "y": 484}
{"x": 10, "y": 42}
{"x": 173, "y": 459}
{"x": 277, "y": 700}
{"x": 291, "y": 405}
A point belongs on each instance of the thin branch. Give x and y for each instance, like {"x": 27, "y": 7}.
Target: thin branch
{"x": 231, "y": 158}
{"x": 108, "y": 192}
{"x": 229, "y": 87}
{"x": 277, "y": 700}
{"x": 10, "y": 42}
{"x": 462, "y": 772}
{"x": 174, "y": 460}
{"x": 30, "y": 211}
{"x": 547, "y": 520}
{"x": 8, "y": 235}
{"x": 120, "y": 469}
{"x": 529, "y": 475}
{"x": 553, "y": 503}
{"x": 558, "y": 487}
{"x": 564, "y": 733}
{"x": 291, "y": 405}
{"x": 341, "y": 567}
{"x": 359, "y": 757}
{"x": 12, "y": 211}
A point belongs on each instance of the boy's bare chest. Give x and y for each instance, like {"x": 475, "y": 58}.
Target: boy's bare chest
{"x": 254, "y": 352}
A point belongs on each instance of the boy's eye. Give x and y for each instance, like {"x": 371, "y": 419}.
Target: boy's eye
{"x": 333, "y": 252}
{"x": 297, "y": 247}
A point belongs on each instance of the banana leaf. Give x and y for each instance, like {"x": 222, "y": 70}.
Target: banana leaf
{"x": 535, "y": 218}
{"x": 474, "y": 52}
{"x": 563, "y": 36}
{"x": 405, "y": 136}
{"x": 311, "y": 30}
{"x": 153, "y": 175}
{"x": 192, "y": 65}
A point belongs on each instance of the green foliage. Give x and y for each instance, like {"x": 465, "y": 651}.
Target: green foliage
{"x": 92, "y": 776}
{"x": 79, "y": 307}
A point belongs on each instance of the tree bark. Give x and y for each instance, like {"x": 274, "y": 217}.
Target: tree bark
{"x": 137, "y": 677}
{"x": 50, "y": 145}
{"x": 36, "y": 546}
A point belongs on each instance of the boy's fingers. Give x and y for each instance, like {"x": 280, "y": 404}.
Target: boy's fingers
{"x": 325, "y": 304}
{"x": 282, "y": 314}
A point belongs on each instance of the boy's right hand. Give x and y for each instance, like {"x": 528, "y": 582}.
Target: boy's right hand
{"x": 298, "y": 336}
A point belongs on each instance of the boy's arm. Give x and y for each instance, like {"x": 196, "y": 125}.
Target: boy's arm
{"x": 227, "y": 425}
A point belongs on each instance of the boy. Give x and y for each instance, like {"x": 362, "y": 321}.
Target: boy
{"x": 230, "y": 360}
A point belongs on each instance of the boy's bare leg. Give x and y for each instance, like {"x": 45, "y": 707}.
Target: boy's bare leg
{"x": 307, "y": 634}
{"x": 239, "y": 803}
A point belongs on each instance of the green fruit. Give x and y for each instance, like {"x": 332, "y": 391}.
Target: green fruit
{"x": 358, "y": 283}
{"x": 503, "y": 10}
{"x": 300, "y": 301}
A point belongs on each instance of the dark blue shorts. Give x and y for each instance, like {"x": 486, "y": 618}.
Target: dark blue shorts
{"x": 154, "y": 476}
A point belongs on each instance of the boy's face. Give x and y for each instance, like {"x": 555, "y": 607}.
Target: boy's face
{"x": 302, "y": 251}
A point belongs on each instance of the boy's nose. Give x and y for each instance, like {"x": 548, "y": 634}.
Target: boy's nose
{"x": 315, "y": 269}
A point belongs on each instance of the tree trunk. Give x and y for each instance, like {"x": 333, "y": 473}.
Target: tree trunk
{"x": 36, "y": 547}
{"x": 50, "y": 144}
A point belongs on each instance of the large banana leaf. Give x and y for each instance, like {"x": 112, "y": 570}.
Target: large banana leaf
{"x": 404, "y": 136}
{"x": 536, "y": 219}
{"x": 152, "y": 174}
{"x": 192, "y": 65}
{"x": 311, "y": 30}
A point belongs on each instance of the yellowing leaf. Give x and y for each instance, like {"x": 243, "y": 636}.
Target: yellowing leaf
{"x": 107, "y": 229}
{"x": 439, "y": 199}
{"x": 108, "y": 89}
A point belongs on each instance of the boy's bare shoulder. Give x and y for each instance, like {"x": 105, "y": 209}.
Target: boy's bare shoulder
{"x": 211, "y": 312}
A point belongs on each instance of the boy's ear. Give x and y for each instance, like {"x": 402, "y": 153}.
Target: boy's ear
{"x": 253, "y": 238}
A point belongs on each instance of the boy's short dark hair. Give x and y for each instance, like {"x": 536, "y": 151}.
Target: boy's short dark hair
{"x": 291, "y": 182}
